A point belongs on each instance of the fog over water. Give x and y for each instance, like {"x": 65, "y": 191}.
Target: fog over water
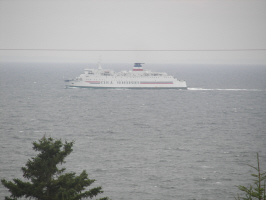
{"x": 134, "y": 25}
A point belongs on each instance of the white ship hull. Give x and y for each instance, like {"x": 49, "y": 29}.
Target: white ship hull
{"x": 128, "y": 86}
{"x": 136, "y": 79}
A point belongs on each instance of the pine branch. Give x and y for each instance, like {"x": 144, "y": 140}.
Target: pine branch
{"x": 47, "y": 181}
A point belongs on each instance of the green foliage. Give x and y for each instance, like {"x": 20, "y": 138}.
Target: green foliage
{"x": 257, "y": 191}
{"x": 46, "y": 180}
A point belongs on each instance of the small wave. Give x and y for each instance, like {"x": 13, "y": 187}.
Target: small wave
{"x": 226, "y": 179}
{"x": 206, "y": 167}
{"x": 100, "y": 170}
{"x": 202, "y": 179}
{"x": 42, "y": 131}
{"x": 181, "y": 149}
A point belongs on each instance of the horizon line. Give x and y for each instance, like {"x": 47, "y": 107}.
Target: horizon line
{"x": 133, "y": 50}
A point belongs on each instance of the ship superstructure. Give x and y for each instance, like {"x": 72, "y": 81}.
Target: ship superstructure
{"x": 138, "y": 78}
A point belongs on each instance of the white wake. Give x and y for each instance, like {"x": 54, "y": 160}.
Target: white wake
{"x": 218, "y": 89}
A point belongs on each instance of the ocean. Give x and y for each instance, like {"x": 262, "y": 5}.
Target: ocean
{"x": 193, "y": 144}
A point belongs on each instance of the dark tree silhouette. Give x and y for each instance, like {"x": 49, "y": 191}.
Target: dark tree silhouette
{"x": 47, "y": 181}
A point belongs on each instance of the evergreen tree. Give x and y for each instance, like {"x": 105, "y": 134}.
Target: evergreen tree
{"x": 258, "y": 190}
{"x": 47, "y": 181}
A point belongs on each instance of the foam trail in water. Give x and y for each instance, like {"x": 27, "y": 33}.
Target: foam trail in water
{"x": 217, "y": 89}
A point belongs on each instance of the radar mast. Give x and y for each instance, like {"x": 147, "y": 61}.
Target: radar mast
{"x": 99, "y": 63}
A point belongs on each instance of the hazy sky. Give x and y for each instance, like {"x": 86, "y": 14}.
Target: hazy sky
{"x": 134, "y": 25}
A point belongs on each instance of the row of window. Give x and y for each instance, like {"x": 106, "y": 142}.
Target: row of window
{"x": 138, "y": 77}
{"x": 120, "y": 82}
{"x": 127, "y": 82}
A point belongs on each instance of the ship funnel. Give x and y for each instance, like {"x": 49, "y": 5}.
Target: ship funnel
{"x": 138, "y": 64}
{"x": 138, "y": 67}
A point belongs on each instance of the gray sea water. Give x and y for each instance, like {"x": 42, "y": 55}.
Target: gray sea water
{"x": 140, "y": 144}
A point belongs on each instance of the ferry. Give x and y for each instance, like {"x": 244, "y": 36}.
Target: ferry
{"x": 138, "y": 78}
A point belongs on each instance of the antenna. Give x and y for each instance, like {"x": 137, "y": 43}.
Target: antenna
{"x": 99, "y": 63}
